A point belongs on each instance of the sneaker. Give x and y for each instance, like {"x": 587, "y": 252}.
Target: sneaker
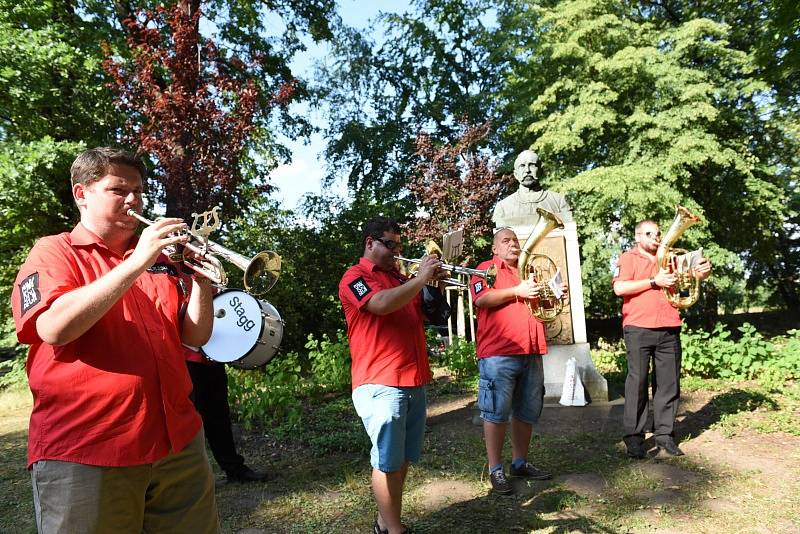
{"x": 500, "y": 483}
{"x": 669, "y": 446}
{"x": 529, "y": 471}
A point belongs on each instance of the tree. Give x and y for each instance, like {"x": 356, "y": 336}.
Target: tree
{"x": 633, "y": 119}
{"x": 455, "y": 186}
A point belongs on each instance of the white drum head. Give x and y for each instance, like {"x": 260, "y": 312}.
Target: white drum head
{"x": 237, "y": 326}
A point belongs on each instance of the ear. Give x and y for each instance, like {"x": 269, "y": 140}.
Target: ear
{"x": 79, "y": 194}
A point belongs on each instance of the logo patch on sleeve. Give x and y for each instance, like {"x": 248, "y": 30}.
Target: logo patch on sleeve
{"x": 478, "y": 287}
{"x": 29, "y": 293}
{"x": 359, "y": 288}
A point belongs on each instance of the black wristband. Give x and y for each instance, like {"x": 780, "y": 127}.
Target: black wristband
{"x": 653, "y": 284}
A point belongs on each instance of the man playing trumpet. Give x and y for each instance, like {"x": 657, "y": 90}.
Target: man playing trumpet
{"x": 511, "y": 343}
{"x": 114, "y": 444}
{"x": 389, "y": 361}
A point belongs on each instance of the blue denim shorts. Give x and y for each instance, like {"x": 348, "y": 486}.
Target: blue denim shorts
{"x": 394, "y": 418}
{"x": 511, "y": 385}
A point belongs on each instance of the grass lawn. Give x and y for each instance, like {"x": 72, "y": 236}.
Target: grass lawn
{"x": 741, "y": 472}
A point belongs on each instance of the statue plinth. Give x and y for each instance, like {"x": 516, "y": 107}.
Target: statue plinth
{"x": 566, "y": 335}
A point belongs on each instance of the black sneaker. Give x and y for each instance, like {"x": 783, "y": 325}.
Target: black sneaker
{"x": 500, "y": 483}
{"x": 669, "y": 446}
{"x": 528, "y": 470}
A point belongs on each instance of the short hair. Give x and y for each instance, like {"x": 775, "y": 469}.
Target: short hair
{"x": 376, "y": 226}
{"x": 498, "y": 230}
{"x": 639, "y": 225}
{"x": 91, "y": 165}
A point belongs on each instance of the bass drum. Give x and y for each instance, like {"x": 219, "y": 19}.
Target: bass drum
{"x": 247, "y": 332}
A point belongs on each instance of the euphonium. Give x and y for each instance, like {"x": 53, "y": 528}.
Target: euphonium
{"x": 686, "y": 290}
{"x": 546, "y": 307}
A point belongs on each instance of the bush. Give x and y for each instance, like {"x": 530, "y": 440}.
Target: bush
{"x": 330, "y": 362}
{"x": 460, "y": 359}
{"x": 610, "y": 357}
{"x": 267, "y": 395}
{"x": 717, "y": 355}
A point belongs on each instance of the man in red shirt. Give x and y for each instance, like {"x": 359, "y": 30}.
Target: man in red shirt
{"x": 114, "y": 444}
{"x": 652, "y": 330}
{"x": 389, "y": 361}
{"x": 511, "y": 343}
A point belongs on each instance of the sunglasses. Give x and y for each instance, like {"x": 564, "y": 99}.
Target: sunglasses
{"x": 388, "y": 243}
{"x": 651, "y": 235}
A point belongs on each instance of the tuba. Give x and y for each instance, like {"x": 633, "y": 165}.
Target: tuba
{"x": 686, "y": 290}
{"x": 547, "y": 307}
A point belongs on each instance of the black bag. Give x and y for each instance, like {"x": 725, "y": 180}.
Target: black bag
{"x": 435, "y": 306}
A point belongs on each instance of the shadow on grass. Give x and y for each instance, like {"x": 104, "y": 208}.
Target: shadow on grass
{"x": 513, "y": 514}
{"x": 722, "y": 405}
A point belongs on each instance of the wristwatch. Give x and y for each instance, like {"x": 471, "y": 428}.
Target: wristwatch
{"x": 653, "y": 284}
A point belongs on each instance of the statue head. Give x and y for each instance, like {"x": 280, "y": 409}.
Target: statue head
{"x": 527, "y": 169}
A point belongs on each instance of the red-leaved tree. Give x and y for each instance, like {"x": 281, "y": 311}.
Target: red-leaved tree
{"x": 455, "y": 186}
{"x": 191, "y": 108}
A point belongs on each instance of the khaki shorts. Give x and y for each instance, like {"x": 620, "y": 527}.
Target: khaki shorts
{"x": 172, "y": 495}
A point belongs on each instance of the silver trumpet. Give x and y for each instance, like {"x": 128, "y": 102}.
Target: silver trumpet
{"x": 489, "y": 274}
{"x": 260, "y": 272}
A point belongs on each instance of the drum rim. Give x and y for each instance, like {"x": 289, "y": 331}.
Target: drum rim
{"x": 260, "y": 332}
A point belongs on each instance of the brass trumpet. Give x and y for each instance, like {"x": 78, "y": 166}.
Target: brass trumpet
{"x": 260, "y": 272}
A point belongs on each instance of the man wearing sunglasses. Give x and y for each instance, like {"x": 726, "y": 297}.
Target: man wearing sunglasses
{"x": 651, "y": 328}
{"x": 390, "y": 366}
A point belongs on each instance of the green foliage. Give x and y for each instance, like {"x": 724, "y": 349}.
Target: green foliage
{"x": 610, "y": 357}
{"x": 717, "y": 354}
{"x": 460, "y": 359}
{"x": 269, "y": 395}
{"x": 330, "y": 361}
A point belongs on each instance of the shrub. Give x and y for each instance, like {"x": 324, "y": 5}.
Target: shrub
{"x": 460, "y": 359}
{"x": 330, "y": 362}
{"x": 268, "y": 395}
{"x": 610, "y": 357}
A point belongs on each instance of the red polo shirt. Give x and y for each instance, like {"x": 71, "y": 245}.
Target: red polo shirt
{"x": 119, "y": 394}
{"x": 650, "y": 308}
{"x": 385, "y": 349}
{"x": 508, "y": 329}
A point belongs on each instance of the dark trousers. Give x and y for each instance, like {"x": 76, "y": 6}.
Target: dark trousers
{"x": 663, "y": 347}
{"x": 210, "y": 397}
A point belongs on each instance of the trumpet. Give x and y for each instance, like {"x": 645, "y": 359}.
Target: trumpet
{"x": 489, "y": 274}
{"x": 260, "y": 272}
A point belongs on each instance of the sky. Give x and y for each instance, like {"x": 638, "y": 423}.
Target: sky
{"x": 307, "y": 168}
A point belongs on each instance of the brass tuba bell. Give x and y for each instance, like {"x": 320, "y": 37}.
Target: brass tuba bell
{"x": 546, "y": 307}
{"x": 686, "y": 290}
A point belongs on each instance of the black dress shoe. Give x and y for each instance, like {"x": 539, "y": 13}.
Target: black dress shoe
{"x": 245, "y": 474}
{"x": 635, "y": 450}
{"x": 669, "y": 446}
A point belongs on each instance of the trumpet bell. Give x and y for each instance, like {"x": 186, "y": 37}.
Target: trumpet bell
{"x": 262, "y": 272}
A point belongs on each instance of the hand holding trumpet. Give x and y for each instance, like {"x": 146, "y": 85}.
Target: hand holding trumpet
{"x": 162, "y": 234}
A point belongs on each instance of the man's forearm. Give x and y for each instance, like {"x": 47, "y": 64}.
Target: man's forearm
{"x": 72, "y": 314}
{"x": 199, "y": 318}
{"x": 391, "y": 300}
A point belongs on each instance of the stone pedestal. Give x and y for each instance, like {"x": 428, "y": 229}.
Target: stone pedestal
{"x": 566, "y": 336}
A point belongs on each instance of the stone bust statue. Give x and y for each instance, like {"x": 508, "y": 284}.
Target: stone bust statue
{"x": 519, "y": 209}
